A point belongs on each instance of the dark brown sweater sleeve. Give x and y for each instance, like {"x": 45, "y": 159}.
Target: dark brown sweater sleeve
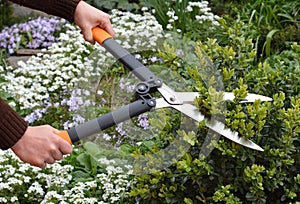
{"x": 12, "y": 126}
{"x": 61, "y": 8}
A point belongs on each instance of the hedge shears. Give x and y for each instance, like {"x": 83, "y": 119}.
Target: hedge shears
{"x": 149, "y": 83}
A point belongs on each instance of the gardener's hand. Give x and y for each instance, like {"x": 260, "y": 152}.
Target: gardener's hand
{"x": 40, "y": 146}
{"x": 87, "y": 17}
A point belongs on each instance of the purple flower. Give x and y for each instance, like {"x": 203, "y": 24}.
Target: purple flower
{"x": 143, "y": 121}
{"x": 37, "y": 33}
{"x": 137, "y": 56}
{"x": 34, "y": 116}
{"x": 153, "y": 59}
{"x": 30, "y": 118}
{"x": 106, "y": 137}
{"x": 119, "y": 129}
{"x": 180, "y": 52}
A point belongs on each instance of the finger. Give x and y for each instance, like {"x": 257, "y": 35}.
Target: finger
{"x": 41, "y": 164}
{"x": 107, "y": 26}
{"x": 57, "y": 155}
{"x": 110, "y": 30}
{"x": 65, "y": 147}
{"x": 49, "y": 160}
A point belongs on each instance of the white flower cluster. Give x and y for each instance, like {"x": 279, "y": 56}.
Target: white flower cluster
{"x": 205, "y": 14}
{"x": 45, "y": 75}
{"x": 113, "y": 185}
{"x": 199, "y": 11}
{"x": 19, "y": 181}
{"x": 51, "y": 185}
{"x": 135, "y": 31}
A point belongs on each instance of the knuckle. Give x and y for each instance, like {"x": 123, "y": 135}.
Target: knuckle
{"x": 52, "y": 149}
{"x": 47, "y": 126}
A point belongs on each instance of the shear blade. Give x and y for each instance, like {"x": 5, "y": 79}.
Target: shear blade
{"x": 220, "y": 128}
{"x": 217, "y": 126}
{"x": 189, "y": 97}
{"x": 250, "y": 98}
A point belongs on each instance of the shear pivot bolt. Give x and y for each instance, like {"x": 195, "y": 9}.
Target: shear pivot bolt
{"x": 151, "y": 103}
{"x": 142, "y": 87}
{"x": 158, "y": 82}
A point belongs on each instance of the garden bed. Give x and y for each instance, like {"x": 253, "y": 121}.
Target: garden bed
{"x": 249, "y": 50}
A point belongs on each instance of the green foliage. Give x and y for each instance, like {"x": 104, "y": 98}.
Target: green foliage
{"x": 224, "y": 194}
{"x": 161, "y": 9}
{"x": 232, "y": 173}
{"x": 270, "y": 23}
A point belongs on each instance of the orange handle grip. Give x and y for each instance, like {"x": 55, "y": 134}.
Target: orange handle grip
{"x": 64, "y": 135}
{"x": 100, "y": 35}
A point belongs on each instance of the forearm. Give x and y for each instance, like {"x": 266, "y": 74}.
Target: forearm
{"x": 61, "y": 8}
{"x": 12, "y": 126}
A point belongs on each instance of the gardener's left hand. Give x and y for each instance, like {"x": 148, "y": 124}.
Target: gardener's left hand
{"x": 40, "y": 146}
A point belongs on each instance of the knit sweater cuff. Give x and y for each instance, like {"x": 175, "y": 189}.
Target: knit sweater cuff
{"x": 12, "y": 126}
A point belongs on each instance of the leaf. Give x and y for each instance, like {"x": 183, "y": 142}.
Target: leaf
{"x": 149, "y": 144}
{"x": 188, "y": 201}
{"x": 127, "y": 148}
{"x": 85, "y": 160}
{"x": 267, "y": 44}
{"x": 80, "y": 175}
{"x": 91, "y": 148}
{"x": 29, "y": 36}
{"x": 189, "y": 137}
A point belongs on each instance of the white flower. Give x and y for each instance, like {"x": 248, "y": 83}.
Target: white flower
{"x": 36, "y": 188}
{"x": 189, "y": 8}
{"x": 12, "y": 104}
{"x": 13, "y": 199}
{"x": 27, "y": 179}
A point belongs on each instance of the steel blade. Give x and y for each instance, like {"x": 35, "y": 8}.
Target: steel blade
{"x": 189, "y": 97}
{"x": 220, "y": 128}
{"x": 217, "y": 126}
{"x": 250, "y": 98}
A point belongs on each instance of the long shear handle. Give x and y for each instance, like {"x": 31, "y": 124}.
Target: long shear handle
{"x": 121, "y": 54}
